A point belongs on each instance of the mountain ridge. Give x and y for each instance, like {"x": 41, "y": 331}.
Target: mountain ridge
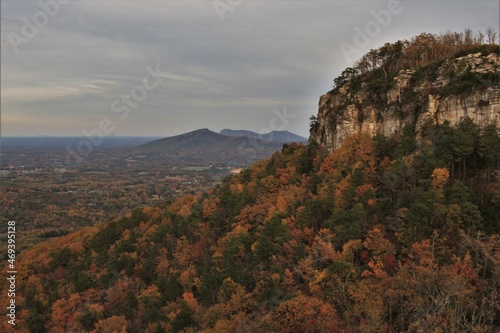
{"x": 277, "y": 136}
{"x": 377, "y": 235}
{"x": 204, "y": 146}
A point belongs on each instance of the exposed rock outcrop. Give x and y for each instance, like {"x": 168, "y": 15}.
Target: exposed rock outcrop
{"x": 450, "y": 90}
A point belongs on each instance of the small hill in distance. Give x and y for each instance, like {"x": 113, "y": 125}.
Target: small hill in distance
{"x": 373, "y": 234}
{"x": 199, "y": 147}
{"x": 204, "y": 147}
{"x": 276, "y": 136}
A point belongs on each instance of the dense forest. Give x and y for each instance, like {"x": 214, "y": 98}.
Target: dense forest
{"x": 383, "y": 234}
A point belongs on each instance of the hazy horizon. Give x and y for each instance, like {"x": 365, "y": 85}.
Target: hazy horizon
{"x": 127, "y": 136}
{"x": 163, "y": 68}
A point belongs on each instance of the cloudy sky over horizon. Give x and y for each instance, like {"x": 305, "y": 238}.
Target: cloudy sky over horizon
{"x": 167, "y": 67}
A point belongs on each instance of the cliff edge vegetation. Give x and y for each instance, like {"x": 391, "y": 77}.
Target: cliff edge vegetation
{"x": 430, "y": 78}
{"x": 373, "y": 233}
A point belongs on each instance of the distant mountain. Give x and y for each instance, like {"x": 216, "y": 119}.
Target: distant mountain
{"x": 206, "y": 147}
{"x": 304, "y": 241}
{"x": 230, "y": 132}
{"x": 276, "y": 136}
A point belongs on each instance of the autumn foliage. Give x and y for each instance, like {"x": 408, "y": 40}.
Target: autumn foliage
{"x": 381, "y": 235}
{"x": 303, "y": 242}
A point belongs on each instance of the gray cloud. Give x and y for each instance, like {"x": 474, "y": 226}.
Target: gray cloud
{"x": 263, "y": 55}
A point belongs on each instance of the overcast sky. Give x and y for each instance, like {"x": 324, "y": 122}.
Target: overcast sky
{"x": 167, "y": 67}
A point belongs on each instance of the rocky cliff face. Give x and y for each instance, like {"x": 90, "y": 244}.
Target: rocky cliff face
{"x": 450, "y": 90}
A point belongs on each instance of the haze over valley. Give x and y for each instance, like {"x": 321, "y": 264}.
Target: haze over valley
{"x": 250, "y": 166}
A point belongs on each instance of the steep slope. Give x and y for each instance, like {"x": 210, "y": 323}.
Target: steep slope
{"x": 380, "y": 235}
{"x": 370, "y": 238}
{"x": 386, "y": 99}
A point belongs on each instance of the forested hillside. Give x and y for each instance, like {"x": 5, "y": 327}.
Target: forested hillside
{"x": 395, "y": 233}
{"x": 379, "y": 236}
